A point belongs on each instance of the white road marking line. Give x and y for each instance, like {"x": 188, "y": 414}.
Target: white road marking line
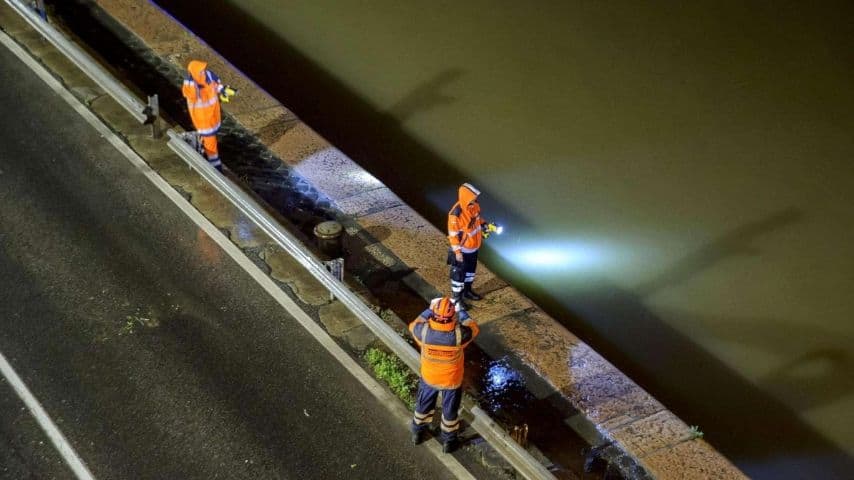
{"x": 50, "y": 429}
{"x": 56, "y": 437}
{"x": 379, "y": 392}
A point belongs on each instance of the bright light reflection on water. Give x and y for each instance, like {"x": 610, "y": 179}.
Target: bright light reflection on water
{"x": 503, "y": 386}
{"x": 552, "y": 256}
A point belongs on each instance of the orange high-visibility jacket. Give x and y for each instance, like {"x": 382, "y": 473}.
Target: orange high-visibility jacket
{"x": 201, "y": 89}
{"x": 442, "y": 344}
{"x": 464, "y": 222}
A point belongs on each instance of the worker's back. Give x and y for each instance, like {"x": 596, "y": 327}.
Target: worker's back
{"x": 442, "y": 345}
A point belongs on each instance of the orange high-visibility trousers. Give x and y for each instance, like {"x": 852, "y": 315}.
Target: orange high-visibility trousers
{"x": 211, "y": 150}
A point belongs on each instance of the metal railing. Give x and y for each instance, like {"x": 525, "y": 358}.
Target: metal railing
{"x": 517, "y": 456}
{"x": 293, "y": 246}
{"x": 36, "y": 17}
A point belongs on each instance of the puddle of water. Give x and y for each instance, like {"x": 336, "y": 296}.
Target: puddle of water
{"x": 501, "y": 391}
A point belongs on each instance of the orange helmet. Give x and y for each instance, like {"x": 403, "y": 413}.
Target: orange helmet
{"x": 443, "y": 309}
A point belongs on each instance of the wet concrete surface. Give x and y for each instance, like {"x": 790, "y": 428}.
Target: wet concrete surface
{"x": 152, "y": 351}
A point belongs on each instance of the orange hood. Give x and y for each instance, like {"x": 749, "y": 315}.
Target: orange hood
{"x": 467, "y": 194}
{"x": 197, "y": 71}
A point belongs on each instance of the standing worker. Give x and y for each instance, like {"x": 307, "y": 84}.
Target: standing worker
{"x": 203, "y": 92}
{"x": 466, "y": 231}
{"x": 442, "y": 339}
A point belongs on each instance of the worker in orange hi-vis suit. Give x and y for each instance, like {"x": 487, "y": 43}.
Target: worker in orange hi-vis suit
{"x": 466, "y": 231}
{"x": 204, "y": 91}
{"x": 442, "y": 332}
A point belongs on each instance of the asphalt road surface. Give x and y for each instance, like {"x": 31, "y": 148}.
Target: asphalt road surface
{"x": 154, "y": 353}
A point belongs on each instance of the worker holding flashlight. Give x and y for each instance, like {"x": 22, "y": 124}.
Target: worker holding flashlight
{"x": 466, "y": 231}
{"x": 204, "y": 91}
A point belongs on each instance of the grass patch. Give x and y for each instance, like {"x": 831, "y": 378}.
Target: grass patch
{"x": 390, "y": 369}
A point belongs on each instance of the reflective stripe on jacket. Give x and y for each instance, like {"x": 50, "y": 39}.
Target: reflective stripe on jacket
{"x": 201, "y": 89}
{"x": 464, "y": 222}
{"x": 442, "y": 344}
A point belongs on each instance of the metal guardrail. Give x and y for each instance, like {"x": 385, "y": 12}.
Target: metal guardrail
{"x": 522, "y": 461}
{"x": 140, "y": 111}
{"x": 292, "y": 245}
{"x": 38, "y": 6}
{"x": 517, "y": 456}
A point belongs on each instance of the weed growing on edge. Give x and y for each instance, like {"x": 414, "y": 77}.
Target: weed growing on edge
{"x": 395, "y": 373}
{"x": 696, "y": 432}
{"x": 129, "y": 326}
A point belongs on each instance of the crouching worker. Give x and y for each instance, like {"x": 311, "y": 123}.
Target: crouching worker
{"x": 442, "y": 331}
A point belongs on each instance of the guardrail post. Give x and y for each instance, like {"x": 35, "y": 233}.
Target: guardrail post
{"x": 153, "y": 113}
{"x": 336, "y": 268}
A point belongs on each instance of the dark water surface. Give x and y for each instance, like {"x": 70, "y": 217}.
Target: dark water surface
{"x": 675, "y": 179}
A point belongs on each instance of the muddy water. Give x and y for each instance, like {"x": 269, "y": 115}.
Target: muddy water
{"x": 675, "y": 179}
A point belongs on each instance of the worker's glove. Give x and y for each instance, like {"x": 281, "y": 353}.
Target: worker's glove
{"x": 458, "y": 256}
{"x": 226, "y": 94}
{"x": 490, "y": 228}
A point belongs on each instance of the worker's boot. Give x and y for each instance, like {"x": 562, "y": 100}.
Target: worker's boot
{"x": 471, "y": 294}
{"x": 450, "y": 445}
{"x": 457, "y": 300}
{"x": 417, "y": 437}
